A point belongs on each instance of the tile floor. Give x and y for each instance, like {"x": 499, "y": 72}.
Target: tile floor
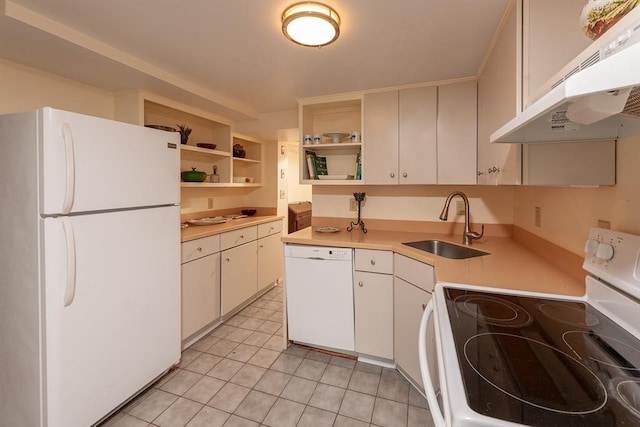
{"x": 238, "y": 375}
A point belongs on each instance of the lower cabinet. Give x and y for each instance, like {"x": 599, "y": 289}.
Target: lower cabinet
{"x": 200, "y": 293}
{"x": 239, "y": 275}
{"x": 373, "y": 300}
{"x": 412, "y": 287}
{"x": 269, "y": 260}
{"x": 200, "y": 281}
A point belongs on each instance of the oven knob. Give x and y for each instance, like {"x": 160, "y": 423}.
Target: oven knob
{"x": 591, "y": 246}
{"x": 604, "y": 252}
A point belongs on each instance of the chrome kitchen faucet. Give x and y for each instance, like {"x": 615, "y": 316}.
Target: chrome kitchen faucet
{"x": 468, "y": 236}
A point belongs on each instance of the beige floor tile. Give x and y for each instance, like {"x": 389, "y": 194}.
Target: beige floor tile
{"x": 124, "y": 420}
{"x": 229, "y": 397}
{"x": 343, "y": 362}
{"x": 299, "y": 390}
{"x": 204, "y": 343}
{"x": 342, "y": 421}
{"x": 387, "y": 413}
{"x": 225, "y": 369}
{"x": 238, "y": 335}
{"x": 284, "y": 413}
{"x": 178, "y": 414}
{"x": 209, "y": 417}
{"x": 204, "y": 389}
{"x": 188, "y": 356}
{"x": 364, "y": 382}
{"x": 237, "y": 320}
{"x": 327, "y": 397}
{"x": 417, "y": 399}
{"x": 222, "y": 331}
{"x": 257, "y": 338}
{"x": 368, "y": 368}
{"x": 203, "y": 363}
{"x": 357, "y": 405}
{"x": 314, "y": 417}
{"x": 181, "y": 382}
{"x": 252, "y": 323}
{"x": 248, "y": 376}
{"x": 394, "y": 388}
{"x": 318, "y": 356}
{"x": 269, "y": 327}
{"x": 273, "y": 382}
{"x": 419, "y": 417}
{"x": 255, "y": 406}
{"x": 156, "y": 403}
{"x": 311, "y": 370}
{"x": 287, "y": 363}
{"x": 336, "y": 376}
{"x": 264, "y": 358}
{"x": 243, "y": 352}
{"x": 236, "y": 421}
{"x": 222, "y": 348}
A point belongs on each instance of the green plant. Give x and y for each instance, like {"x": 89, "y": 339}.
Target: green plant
{"x": 184, "y": 133}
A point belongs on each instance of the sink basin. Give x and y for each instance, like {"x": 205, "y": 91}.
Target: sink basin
{"x": 446, "y": 249}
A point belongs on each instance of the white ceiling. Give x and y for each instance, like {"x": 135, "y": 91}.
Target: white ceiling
{"x": 230, "y": 56}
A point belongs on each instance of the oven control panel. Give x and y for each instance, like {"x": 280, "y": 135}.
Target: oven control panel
{"x": 614, "y": 257}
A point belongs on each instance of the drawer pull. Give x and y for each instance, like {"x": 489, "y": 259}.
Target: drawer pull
{"x": 360, "y": 283}
{"x": 424, "y": 306}
{"x": 227, "y": 260}
{"x": 199, "y": 249}
{"x": 373, "y": 262}
{"x": 404, "y": 174}
{"x": 392, "y": 175}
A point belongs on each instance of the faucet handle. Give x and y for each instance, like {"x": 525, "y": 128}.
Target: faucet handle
{"x": 474, "y": 235}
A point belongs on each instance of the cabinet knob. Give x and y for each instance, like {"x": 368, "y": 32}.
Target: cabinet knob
{"x": 392, "y": 175}
{"x": 424, "y": 306}
{"x": 373, "y": 262}
{"x": 261, "y": 246}
{"x": 199, "y": 249}
{"x": 227, "y": 260}
{"x": 480, "y": 173}
{"x": 360, "y": 283}
{"x": 404, "y": 174}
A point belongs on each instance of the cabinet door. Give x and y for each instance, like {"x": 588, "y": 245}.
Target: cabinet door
{"x": 457, "y": 133}
{"x": 417, "y": 135}
{"x": 409, "y": 302}
{"x": 373, "y": 294}
{"x": 269, "y": 260}
{"x": 498, "y": 102}
{"x": 380, "y": 149}
{"x": 239, "y": 275}
{"x": 200, "y": 293}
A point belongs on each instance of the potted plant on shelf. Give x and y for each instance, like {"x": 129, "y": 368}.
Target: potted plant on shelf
{"x": 184, "y": 133}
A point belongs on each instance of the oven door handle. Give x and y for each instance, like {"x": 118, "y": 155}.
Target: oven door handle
{"x": 429, "y": 389}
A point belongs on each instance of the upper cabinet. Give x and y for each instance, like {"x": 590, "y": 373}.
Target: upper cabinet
{"x": 498, "y": 102}
{"x": 223, "y": 165}
{"x": 330, "y": 122}
{"x": 400, "y": 127}
{"x": 422, "y": 135}
{"x": 457, "y": 133}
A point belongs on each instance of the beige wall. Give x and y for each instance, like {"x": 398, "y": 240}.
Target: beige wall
{"x": 25, "y": 89}
{"x": 489, "y": 205}
{"x": 567, "y": 213}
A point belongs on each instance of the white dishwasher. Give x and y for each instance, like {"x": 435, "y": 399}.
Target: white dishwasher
{"x": 319, "y": 287}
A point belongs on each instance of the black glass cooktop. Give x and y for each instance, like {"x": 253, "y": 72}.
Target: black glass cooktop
{"x": 544, "y": 362}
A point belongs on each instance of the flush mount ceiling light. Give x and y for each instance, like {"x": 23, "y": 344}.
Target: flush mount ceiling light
{"x": 311, "y": 24}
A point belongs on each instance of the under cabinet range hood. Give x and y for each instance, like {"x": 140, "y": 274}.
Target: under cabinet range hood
{"x": 595, "y": 97}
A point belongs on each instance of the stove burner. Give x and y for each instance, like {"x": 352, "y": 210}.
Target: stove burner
{"x": 580, "y": 391}
{"x": 569, "y": 315}
{"x": 602, "y": 349}
{"x": 494, "y": 311}
{"x": 629, "y": 393}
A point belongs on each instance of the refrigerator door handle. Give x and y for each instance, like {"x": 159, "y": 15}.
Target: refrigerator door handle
{"x": 70, "y": 290}
{"x": 69, "y": 193}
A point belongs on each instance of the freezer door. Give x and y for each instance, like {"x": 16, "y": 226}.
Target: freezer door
{"x": 112, "y": 295}
{"x": 92, "y": 164}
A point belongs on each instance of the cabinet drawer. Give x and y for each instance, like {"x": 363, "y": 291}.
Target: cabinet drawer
{"x": 374, "y": 261}
{"x": 198, "y": 248}
{"x": 269, "y": 228}
{"x": 238, "y": 237}
{"x": 415, "y": 272}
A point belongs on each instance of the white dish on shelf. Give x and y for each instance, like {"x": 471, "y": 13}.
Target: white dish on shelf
{"x": 336, "y": 136}
{"x": 334, "y": 177}
{"x": 327, "y": 229}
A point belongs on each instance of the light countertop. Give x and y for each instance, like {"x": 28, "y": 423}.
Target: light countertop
{"x": 198, "y": 231}
{"x": 510, "y": 265}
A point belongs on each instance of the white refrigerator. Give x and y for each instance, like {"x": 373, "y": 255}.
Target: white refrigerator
{"x": 89, "y": 265}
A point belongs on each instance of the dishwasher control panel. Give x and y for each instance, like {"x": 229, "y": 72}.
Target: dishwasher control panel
{"x": 318, "y": 252}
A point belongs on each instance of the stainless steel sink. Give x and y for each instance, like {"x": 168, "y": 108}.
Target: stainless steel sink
{"x": 446, "y": 249}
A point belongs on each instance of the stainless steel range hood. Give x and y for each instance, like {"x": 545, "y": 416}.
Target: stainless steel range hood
{"x": 592, "y": 103}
